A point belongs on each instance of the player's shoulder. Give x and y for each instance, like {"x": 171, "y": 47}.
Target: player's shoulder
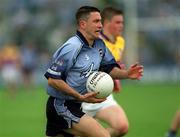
{"x": 74, "y": 42}
{"x": 71, "y": 46}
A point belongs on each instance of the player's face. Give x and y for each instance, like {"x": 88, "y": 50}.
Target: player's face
{"x": 93, "y": 25}
{"x": 116, "y": 25}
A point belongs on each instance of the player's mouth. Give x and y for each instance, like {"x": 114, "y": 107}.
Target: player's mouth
{"x": 98, "y": 31}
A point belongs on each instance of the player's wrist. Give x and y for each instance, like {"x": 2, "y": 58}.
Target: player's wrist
{"x": 78, "y": 96}
{"x": 124, "y": 74}
{"x": 127, "y": 74}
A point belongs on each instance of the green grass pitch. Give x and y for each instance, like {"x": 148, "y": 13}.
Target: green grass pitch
{"x": 149, "y": 107}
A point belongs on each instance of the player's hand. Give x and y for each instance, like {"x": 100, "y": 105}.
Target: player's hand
{"x": 90, "y": 97}
{"x": 135, "y": 71}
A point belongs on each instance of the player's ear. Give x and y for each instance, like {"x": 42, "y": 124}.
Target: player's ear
{"x": 106, "y": 21}
{"x": 82, "y": 23}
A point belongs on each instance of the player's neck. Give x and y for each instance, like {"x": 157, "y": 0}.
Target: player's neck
{"x": 89, "y": 40}
{"x": 110, "y": 37}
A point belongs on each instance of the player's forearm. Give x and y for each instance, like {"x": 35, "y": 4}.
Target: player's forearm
{"x": 117, "y": 73}
{"x": 61, "y": 86}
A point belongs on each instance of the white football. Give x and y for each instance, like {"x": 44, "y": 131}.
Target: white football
{"x": 101, "y": 83}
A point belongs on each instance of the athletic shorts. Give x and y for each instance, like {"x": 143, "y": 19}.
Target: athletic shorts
{"x": 92, "y": 109}
{"x": 61, "y": 114}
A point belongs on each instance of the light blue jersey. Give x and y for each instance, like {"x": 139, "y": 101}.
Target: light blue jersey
{"x": 74, "y": 61}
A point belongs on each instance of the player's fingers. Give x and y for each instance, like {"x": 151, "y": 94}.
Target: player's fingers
{"x": 90, "y": 94}
{"x": 141, "y": 70}
{"x": 140, "y": 75}
{"x": 141, "y": 67}
{"x": 137, "y": 68}
{"x": 134, "y": 65}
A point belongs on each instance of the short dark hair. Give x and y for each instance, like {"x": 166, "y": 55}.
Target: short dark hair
{"x": 109, "y": 12}
{"x": 84, "y": 11}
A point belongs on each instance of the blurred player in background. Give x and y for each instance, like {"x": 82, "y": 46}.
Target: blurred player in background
{"x": 28, "y": 62}
{"x": 10, "y": 66}
{"x": 113, "y": 25}
{"x": 109, "y": 110}
{"x": 175, "y": 125}
{"x": 67, "y": 74}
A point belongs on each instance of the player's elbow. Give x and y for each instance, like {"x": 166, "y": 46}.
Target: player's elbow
{"x": 50, "y": 82}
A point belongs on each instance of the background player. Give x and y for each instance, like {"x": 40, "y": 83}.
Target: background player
{"x": 113, "y": 25}
{"x": 10, "y": 66}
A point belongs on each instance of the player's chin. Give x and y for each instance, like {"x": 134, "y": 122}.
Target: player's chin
{"x": 96, "y": 35}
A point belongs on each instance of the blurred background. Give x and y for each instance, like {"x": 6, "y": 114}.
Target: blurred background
{"x": 31, "y": 30}
{"x": 152, "y": 31}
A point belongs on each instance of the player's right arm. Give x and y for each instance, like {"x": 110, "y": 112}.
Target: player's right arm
{"x": 61, "y": 86}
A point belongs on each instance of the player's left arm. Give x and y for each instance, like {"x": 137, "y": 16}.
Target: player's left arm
{"x": 109, "y": 65}
{"x": 134, "y": 72}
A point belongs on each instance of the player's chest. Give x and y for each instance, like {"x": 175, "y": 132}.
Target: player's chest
{"x": 89, "y": 58}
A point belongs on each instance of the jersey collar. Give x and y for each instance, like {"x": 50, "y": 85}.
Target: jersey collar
{"x": 83, "y": 39}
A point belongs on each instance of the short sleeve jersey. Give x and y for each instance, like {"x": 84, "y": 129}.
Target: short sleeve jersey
{"x": 74, "y": 61}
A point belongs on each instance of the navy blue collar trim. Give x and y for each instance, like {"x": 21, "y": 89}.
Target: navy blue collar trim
{"x": 79, "y": 34}
{"x": 104, "y": 36}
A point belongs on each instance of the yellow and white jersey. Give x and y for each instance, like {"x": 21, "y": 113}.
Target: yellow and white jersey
{"x": 116, "y": 48}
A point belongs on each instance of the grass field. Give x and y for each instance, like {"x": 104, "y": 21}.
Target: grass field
{"x": 150, "y": 108}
